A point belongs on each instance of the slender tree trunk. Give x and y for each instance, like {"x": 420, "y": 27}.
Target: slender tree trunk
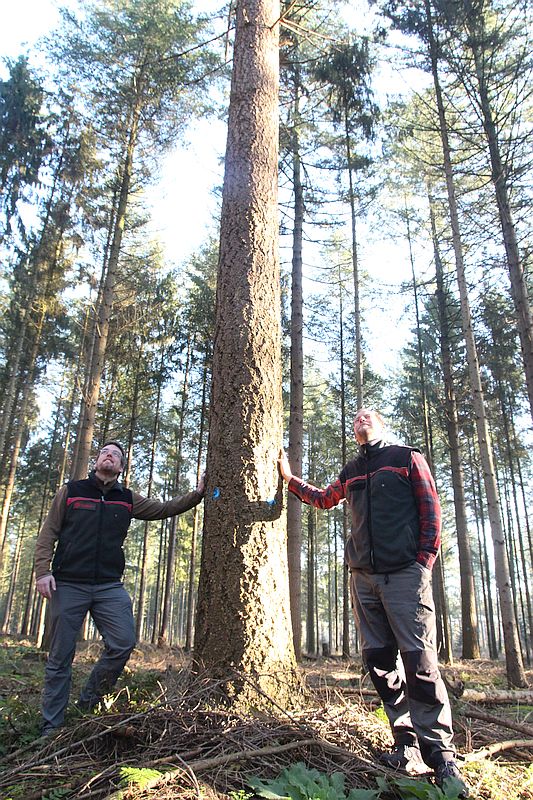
{"x": 191, "y": 594}
{"x": 469, "y": 622}
{"x": 20, "y": 427}
{"x": 135, "y": 412}
{"x": 500, "y": 178}
{"x": 243, "y": 620}
{"x": 171, "y": 550}
{"x": 346, "y": 604}
{"x": 141, "y": 596}
{"x": 355, "y": 268}
{"x": 296, "y": 421}
{"x": 159, "y": 580}
{"x": 15, "y": 564}
{"x": 514, "y": 665}
{"x": 90, "y": 400}
{"x": 311, "y": 642}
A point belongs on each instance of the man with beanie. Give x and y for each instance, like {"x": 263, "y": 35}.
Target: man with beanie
{"x": 86, "y": 527}
{"x": 394, "y": 541}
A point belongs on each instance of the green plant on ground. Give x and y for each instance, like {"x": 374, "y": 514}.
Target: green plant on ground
{"x": 19, "y": 723}
{"x": 137, "y": 777}
{"x": 57, "y": 793}
{"x": 379, "y": 712}
{"x": 298, "y": 782}
{"x": 417, "y": 789}
{"x": 240, "y": 795}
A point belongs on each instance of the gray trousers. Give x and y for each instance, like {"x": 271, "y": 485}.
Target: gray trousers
{"x": 395, "y": 613}
{"x": 109, "y": 605}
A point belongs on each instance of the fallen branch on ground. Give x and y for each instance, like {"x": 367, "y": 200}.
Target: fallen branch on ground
{"x": 498, "y": 747}
{"x": 505, "y": 698}
{"x": 502, "y": 722}
{"x": 218, "y": 761}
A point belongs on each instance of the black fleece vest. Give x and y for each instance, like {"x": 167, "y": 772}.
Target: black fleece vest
{"x": 90, "y": 542}
{"x": 385, "y": 521}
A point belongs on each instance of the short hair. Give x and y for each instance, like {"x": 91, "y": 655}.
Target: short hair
{"x": 116, "y": 444}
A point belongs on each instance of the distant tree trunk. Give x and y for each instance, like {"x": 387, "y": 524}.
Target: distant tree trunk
{"x": 296, "y": 422}
{"x": 192, "y": 559}
{"x": 355, "y": 267}
{"x": 469, "y": 622}
{"x": 163, "y": 638}
{"x": 159, "y": 580}
{"x": 134, "y": 414}
{"x": 479, "y": 515}
{"x": 92, "y": 392}
{"x": 444, "y": 643}
{"x": 311, "y": 642}
{"x": 478, "y": 41}
{"x": 144, "y": 556}
{"x": 336, "y": 577}
{"x": 15, "y": 564}
{"x": 514, "y": 665}
{"x": 330, "y": 588}
{"x": 346, "y": 604}
{"x": 515, "y": 530}
{"x": 20, "y": 426}
{"x": 243, "y": 620}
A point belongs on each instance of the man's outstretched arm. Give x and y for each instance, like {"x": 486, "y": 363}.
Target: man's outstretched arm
{"x": 329, "y": 497}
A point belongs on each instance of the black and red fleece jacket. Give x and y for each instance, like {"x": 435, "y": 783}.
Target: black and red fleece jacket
{"x": 395, "y": 509}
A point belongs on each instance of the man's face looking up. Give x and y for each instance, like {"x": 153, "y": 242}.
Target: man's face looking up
{"x": 109, "y": 461}
{"x": 367, "y": 426}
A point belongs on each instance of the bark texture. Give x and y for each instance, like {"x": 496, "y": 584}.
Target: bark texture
{"x": 243, "y": 622}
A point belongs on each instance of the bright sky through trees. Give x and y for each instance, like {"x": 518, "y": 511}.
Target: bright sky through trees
{"x": 184, "y": 203}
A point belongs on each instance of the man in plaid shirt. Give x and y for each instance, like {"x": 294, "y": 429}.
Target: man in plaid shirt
{"x": 394, "y": 541}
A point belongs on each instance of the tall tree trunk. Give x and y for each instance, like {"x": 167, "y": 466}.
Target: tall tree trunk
{"x": 296, "y": 421}
{"x": 355, "y": 268}
{"x": 126, "y": 477}
{"x": 163, "y": 638}
{"x": 141, "y": 595}
{"x": 92, "y": 393}
{"x": 196, "y": 517}
{"x": 444, "y": 643}
{"x": 15, "y": 564}
{"x": 513, "y": 658}
{"x": 479, "y": 515}
{"x": 346, "y": 604}
{"x": 243, "y": 620}
{"x": 311, "y": 641}
{"x": 20, "y": 427}
{"x": 469, "y": 623}
{"x": 500, "y": 177}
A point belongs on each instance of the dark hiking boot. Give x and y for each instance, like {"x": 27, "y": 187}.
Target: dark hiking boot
{"x": 86, "y": 706}
{"x": 448, "y": 775}
{"x": 404, "y": 757}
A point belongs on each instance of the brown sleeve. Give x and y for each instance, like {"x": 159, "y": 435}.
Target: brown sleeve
{"x": 148, "y": 508}
{"x": 49, "y": 533}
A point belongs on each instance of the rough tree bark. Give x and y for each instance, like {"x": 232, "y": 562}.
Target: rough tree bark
{"x": 243, "y": 629}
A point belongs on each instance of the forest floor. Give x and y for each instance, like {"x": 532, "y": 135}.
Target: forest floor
{"x": 162, "y": 735}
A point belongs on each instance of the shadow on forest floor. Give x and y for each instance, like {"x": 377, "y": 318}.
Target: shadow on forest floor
{"x": 163, "y": 736}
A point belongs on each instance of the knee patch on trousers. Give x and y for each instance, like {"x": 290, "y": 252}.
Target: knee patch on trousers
{"x": 381, "y": 665}
{"x": 424, "y": 682}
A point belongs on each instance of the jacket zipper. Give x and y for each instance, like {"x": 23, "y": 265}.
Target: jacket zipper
{"x": 99, "y": 539}
{"x": 369, "y": 511}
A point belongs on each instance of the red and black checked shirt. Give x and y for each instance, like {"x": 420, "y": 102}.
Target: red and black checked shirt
{"x": 406, "y": 480}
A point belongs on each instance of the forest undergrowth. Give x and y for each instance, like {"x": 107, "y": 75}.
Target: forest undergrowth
{"x": 166, "y": 735}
